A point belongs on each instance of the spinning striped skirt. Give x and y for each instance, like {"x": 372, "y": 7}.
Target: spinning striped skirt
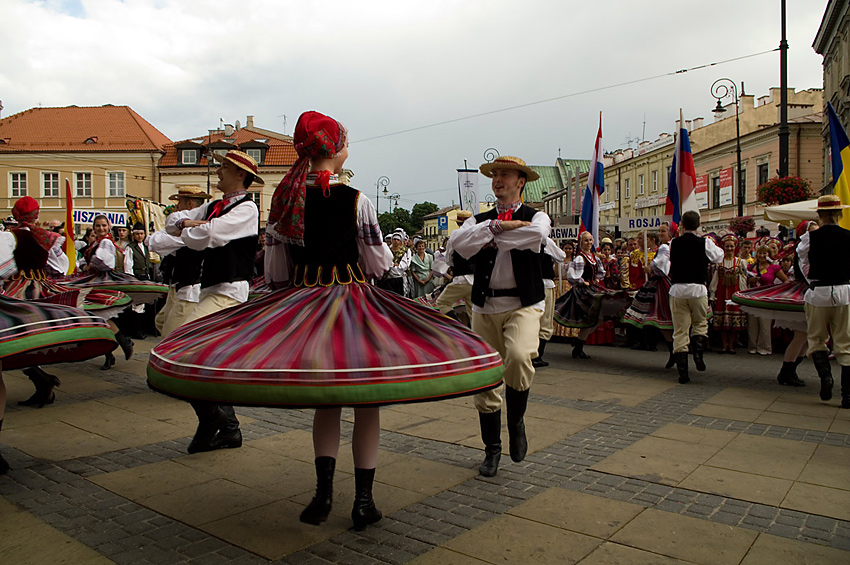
{"x": 651, "y": 305}
{"x": 341, "y": 345}
{"x": 585, "y": 306}
{"x": 37, "y": 286}
{"x": 784, "y": 303}
{"x": 35, "y": 333}
{"x": 141, "y": 292}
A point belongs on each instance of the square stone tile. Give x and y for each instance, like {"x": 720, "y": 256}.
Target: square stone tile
{"x": 443, "y": 556}
{"x": 447, "y": 431}
{"x": 274, "y": 530}
{"x": 657, "y": 460}
{"x": 571, "y": 419}
{"x": 151, "y": 480}
{"x": 159, "y": 407}
{"x": 690, "y": 434}
{"x": 615, "y": 554}
{"x": 206, "y": 502}
{"x": 773, "y": 550}
{"x": 26, "y": 540}
{"x": 736, "y": 413}
{"x": 795, "y": 421}
{"x": 804, "y": 405}
{"x": 758, "y": 455}
{"x": 840, "y": 426}
{"x": 745, "y": 398}
{"x": 686, "y": 538}
{"x": 823, "y": 501}
{"x": 58, "y": 441}
{"x": 76, "y": 383}
{"x": 421, "y": 475}
{"x": 829, "y": 467}
{"x": 615, "y": 397}
{"x": 578, "y": 512}
{"x": 436, "y": 411}
{"x": 736, "y": 484}
{"x": 126, "y": 428}
{"x": 509, "y": 539}
{"x": 395, "y": 421}
{"x": 297, "y": 444}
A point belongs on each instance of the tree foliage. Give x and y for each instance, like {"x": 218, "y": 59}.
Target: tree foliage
{"x": 410, "y": 221}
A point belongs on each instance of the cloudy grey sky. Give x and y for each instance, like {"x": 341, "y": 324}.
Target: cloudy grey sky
{"x": 383, "y": 66}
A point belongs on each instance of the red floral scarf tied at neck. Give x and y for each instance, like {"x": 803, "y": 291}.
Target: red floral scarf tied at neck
{"x": 25, "y": 211}
{"x": 316, "y": 136}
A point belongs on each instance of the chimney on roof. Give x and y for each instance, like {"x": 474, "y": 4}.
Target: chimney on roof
{"x": 249, "y": 122}
{"x": 228, "y": 129}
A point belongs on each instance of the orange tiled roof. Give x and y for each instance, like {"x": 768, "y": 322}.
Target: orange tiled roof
{"x": 280, "y": 153}
{"x": 110, "y": 128}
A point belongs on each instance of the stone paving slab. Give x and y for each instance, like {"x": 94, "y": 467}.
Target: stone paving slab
{"x": 621, "y": 458}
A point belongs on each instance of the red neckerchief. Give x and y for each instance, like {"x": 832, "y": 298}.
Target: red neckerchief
{"x": 507, "y": 212}
{"x": 221, "y": 204}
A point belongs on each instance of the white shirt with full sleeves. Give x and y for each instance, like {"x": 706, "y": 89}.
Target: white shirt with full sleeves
{"x": 472, "y": 237}
{"x": 103, "y": 258}
{"x": 576, "y": 270}
{"x": 557, "y": 254}
{"x": 375, "y": 257}
{"x": 165, "y": 244}
{"x": 822, "y": 296}
{"x": 660, "y": 264}
{"x": 241, "y": 221}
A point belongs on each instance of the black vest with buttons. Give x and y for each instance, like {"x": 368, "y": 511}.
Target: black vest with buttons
{"x": 526, "y": 265}
{"x": 231, "y": 262}
{"x": 828, "y": 252}
{"x": 461, "y": 266}
{"x": 688, "y": 261}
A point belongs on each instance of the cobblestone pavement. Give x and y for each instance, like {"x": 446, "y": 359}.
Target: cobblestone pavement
{"x": 102, "y": 475}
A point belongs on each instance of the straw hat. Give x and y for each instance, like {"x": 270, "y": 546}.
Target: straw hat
{"x": 506, "y": 162}
{"x": 190, "y": 191}
{"x": 462, "y": 216}
{"x": 241, "y": 160}
{"x": 830, "y": 202}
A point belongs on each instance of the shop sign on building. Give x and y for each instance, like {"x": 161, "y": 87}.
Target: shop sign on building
{"x": 701, "y": 190}
{"x": 649, "y": 222}
{"x": 87, "y": 217}
{"x": 564, "y": 232}
{"x": 726, "y": 186}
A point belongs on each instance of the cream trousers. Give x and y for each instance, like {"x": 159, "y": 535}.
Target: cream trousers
{"x": 823, "y": 320}
{"x": 688, "y": 312}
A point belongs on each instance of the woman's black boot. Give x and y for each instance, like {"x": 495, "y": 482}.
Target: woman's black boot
{"x": 364, "y": 511}
{"x": 319, "y": 508}
{"x": 44, "y": 384}
{"x": 108, "y": 363}
{"x": 821, "y": 362}
{"x": 671, "y": 360}
{"x": 578, "y": 350}
{"x": 788, "y": 375}
{"x": 126, "y": 345}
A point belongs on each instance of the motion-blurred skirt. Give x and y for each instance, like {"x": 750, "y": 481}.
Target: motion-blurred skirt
{"x": 782, "y": 303}
{"x": 585, "y": 306}
{"x": 141, "y": 292}
{"x": 651, "y": 305}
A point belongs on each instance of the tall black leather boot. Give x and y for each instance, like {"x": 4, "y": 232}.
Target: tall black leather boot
{"x": 788, "y": 375}
{"x": 44, "y": 383}
{"x": 491, "y": 435}
{"x": 698, "y": 343}
{"x": 320, "y": 507}
{"x": 671, "y": 360}
{"x": 578, "y": 349}
{"x": 126, "y": 345}
{"x": 538, "y": 361}
{"x": 682, "y": 367}
{"x": 108, "y": 362}
{"x": 229, "y": 435}
{"x": 364, "y": 512}
{"x": 4, "y": 466}
{"x": 824, "y": 369}
{"x": 516, "y": 402}
{"x": 845, "y": 386}
{"x": 210, "y": 420}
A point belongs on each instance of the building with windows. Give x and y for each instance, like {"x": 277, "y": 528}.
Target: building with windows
{"x": 189, "y": 161}
{"x": 105, "y": 152}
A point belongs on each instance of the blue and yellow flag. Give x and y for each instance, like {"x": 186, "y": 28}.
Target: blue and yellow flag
{"x": 840, "y": 147}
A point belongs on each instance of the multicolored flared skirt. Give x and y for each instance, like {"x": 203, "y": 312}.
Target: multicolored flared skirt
{"x": 585, "y": 306}
{"x": 36, "y": 333}
{"x": 727, "y": 315}
{"x": 784, "y": 303}
{"x": 342, "y": 345}
{"x": 259, "y": 287}
{"x": 104, "y": 303}
{"x": 651, "y": 305}
{"x": 141, "y": 292}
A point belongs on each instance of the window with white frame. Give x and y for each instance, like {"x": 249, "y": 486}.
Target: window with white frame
{"x": 82, "y": 183}
{"x": 18, "y": 182}
{"x": 627, "y": 188}
{"x": 640, "y": 184}
{"x": 256, "y": 155}
{"x": 189, "y": 156}
{"x": 653, "y": 178}
{"x": 255, "y": 197}
{"x": 50, "y": 185}
{"x": 617, "y": 190}
{"x": 115, "y": 182}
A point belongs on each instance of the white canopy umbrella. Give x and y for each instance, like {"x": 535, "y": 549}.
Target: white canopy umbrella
{"x": 793, "y": 213}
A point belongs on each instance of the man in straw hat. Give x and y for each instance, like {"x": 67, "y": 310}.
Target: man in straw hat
{"x": 824, "y": 256}
{"x": 225, "y": 231}
{"x": 461, "y": 286}
{"x": 508, "y": 298}
{"x": 181, "y": 266}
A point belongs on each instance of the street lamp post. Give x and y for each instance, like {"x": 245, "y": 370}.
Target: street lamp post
{"x": 721, "y": 88}
{"x": 392, "y": 197}
{"x": 382, "y": 181}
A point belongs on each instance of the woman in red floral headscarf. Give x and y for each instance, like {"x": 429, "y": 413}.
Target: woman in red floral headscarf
{"x": 328, "y": 339}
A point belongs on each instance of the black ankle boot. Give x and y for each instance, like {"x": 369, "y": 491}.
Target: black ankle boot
{"x": 364, "y": 512}
{"x": 320, "y": 507}
{"x": 698, "y": 343}
{"x": 671, "y": 360}
{"x": 229, "y": 435}
{"x": 126, "y": 345}
{"x": 44, "y": 384}
{"x": 845, "y": 387}
{"x": 108, "y": 362}
{"x": 578, "y": 350}
{"x": 538, "y": 362}
{"x": 682, "y": 367}
{"x": 4, "y": 466}
{"x": 210, "y": 420}
{"x": 824, "y": 369}
{"x": 516, "y": 402}
{"x": 788, "y": 376}
{"x": 491, "y": 435}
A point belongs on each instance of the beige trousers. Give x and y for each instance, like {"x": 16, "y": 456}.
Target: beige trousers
{"x": 162, "y": 315}
{"x": 688, "y": 312}
{"x": 514, "y": 335}
{"x": 209, "y": 304}
{"x": 451, "y": 294}
{"x": 823, "y": 320}
{"x": 180, "y": 310}
{"x": 547, "y": 320}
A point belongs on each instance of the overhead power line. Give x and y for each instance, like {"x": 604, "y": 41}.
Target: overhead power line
{"x": 571, "y": 95}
